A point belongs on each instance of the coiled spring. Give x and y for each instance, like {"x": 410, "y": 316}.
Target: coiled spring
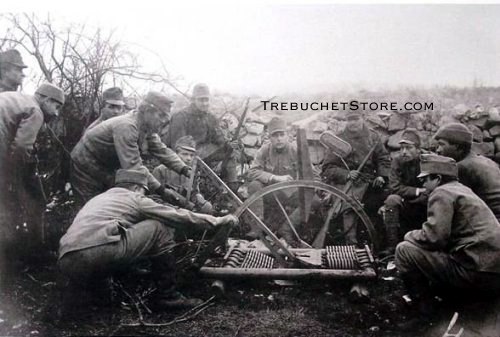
{"x": 249, "y": 259}
{"x": 342, "y": 257}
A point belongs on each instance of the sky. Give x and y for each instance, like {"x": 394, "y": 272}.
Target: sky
{"x": 273, "y": 48}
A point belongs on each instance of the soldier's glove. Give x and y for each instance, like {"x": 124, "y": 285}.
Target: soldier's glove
{"x": 174, "y": 198}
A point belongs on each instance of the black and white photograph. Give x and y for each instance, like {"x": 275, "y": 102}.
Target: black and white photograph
{"x": 244, "y": 169}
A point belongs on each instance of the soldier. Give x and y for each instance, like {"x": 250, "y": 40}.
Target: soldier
{"x": 369, "y": 180}
{"x": 11, "y": 70}
{"x": 275, "y": 162}
{"x": 197, "y": 121}
{"x": 457, "y": 248}
{"x": 477, "y": 172}
{"x": 21, "y": 117}
{"x": 185, "y": 147}
{"x": 112, "y": 105}
{"x": 117, "y": 229}
{"x": 407, "y": 198}
{"x": 115, "y": 144}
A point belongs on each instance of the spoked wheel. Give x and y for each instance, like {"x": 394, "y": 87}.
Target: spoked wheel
{"x": 300, "y": 208}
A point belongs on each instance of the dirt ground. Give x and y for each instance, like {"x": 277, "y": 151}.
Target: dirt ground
{"x": 34, "y": 306}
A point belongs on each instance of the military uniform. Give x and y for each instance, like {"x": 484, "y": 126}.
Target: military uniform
{"x": 458, "y": 246}
{"x": 119, "y": 228}
{"x": 335, "y": 173}
{"x": 203, "y": 126}
{"x": 117, "y": 215}
{"x": 403, "y": 183}
{"x": 268, "y": 162}
{"x": 207, "y": 134}
{"x": 20, "y": 121}
{"x": 21, "y": 198}
{"x": 113, "y": 144}
{"x": 482, "y": 176}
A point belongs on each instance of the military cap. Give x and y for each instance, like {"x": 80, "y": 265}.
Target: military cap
{"x": 436, "y": 164}
{"x": 52, "y": 91}
{"x": 113, "y": 95}
{"x": 12, "y": 56}
{"x": 410, "y": 136}
{"x": 187, "y": 143}
{"x": 454, "y": 132}
{"x": 276, "y": 125}
{"x": 158, "y": 100}
{"x": 138, "y": 176}
{"x": 201, "y": 90}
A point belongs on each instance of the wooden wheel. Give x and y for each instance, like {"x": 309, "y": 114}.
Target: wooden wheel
{"x": 323, "y": 192}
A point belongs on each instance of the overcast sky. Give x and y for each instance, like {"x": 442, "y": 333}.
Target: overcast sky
{"x": 270, "y": 49}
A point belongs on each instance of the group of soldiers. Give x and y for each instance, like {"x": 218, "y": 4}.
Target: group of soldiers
{"x": 117, "y": 226}
{"x": 440, "y": 210}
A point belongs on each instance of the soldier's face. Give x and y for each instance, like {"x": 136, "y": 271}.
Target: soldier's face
{"x": 278, "y": 140}
{"x": 186, "y": 156}
{"x": 13, "y": 76}
{"x": 50, "y": 109}
{"x": 446, "y": 149}
{"x": 430, "y": 183}
{"x": 409, "y": 151}
{"x": 354, "y": 123}
{"x": 111, "y": 110}
{"x": 157, "y": 119}
{"x": 202, "y": 103}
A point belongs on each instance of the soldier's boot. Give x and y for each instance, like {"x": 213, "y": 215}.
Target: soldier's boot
{"x": 167, "y": 298}
{"x": 391, "y": 222}
{"x": 424, "y": 310}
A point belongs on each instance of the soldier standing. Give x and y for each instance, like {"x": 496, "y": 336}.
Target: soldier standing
{"x": 11, "y": 70}
{"x": 197, "y": 121}
{"x": 112, "y": 105}
{"x": 116, "y": 143}
{"x": 21, "y": 117}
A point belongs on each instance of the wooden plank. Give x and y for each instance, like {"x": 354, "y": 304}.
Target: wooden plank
{"x": 287, "y": 273}
{"x": 305, "y": 173}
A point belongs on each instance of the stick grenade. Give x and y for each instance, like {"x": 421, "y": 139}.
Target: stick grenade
{"x": 319, "y": 241}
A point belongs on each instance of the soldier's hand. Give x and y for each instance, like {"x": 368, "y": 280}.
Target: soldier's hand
{"x": 354, "y": 174}
{"x": 228, "y": 219}
{"x": 280, "y": 179}
{"x": 378, "y": 182}
{"x": 186, "y": 171}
